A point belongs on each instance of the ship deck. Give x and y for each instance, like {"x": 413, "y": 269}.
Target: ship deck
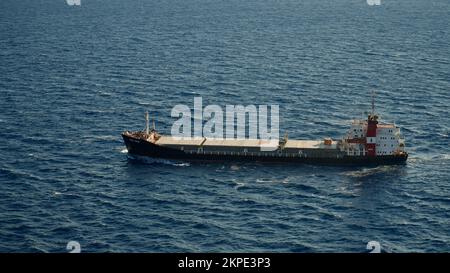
{"x": 235, "y": 143}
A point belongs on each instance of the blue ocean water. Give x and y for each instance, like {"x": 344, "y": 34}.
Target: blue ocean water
{"x": 73, "y": 78}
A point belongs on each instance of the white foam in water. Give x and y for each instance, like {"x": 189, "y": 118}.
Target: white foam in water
{"x": 152, "y": 160}
{"x": 234, "y": 167}
{"x": 273, "y": 180}
{"x": 369, "y": 171}
{"x": 239, "y": 185}
{"x": 286, "y": 180}
{"x": 104, "y": 93}
{"x": 185, "y": 164}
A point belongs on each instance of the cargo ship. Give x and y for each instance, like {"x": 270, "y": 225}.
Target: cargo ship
{"x": 367, "y": 142}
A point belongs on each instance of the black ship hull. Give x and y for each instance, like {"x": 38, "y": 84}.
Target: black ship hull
{"x": 141, "y": 147}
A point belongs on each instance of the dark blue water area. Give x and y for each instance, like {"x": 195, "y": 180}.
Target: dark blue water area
{"x": 73, "y": 78}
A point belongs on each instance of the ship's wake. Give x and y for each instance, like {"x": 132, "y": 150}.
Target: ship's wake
{"x": 367, "y": 172}
{"x": 427, "y": 157}
{"x": 156, "y": 161}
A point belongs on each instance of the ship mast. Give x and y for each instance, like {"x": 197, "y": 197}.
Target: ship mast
{"x": 373, "y": 103}
{"x": 146, "y": 123}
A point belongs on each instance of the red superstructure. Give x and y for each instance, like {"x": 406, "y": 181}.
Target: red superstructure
{"x": 373, "y": 139}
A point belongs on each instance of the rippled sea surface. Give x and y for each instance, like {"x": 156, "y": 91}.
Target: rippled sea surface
{"x": 73, "y": 78}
